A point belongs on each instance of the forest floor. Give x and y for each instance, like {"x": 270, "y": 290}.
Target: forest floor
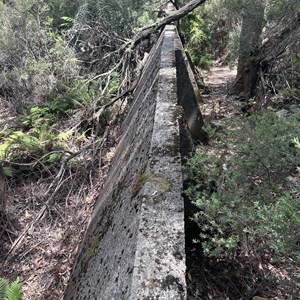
{"x": 221, "y": 279}
{"x": 39, "y": 241}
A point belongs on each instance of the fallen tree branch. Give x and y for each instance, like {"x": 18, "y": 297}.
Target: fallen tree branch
{"x": 128, "y": 47}
{"x": 277, "y": 44}
{"x": 177, "y": 15}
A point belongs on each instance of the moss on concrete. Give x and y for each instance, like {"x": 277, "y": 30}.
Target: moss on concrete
{"x": 163, "y": 183}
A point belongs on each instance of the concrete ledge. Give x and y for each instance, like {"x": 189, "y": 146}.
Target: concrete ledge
{"x": 134, "y": 245}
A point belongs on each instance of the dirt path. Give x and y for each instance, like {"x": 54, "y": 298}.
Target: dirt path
{"x": 216, "y": 102}
{"x": 216, "y": 105}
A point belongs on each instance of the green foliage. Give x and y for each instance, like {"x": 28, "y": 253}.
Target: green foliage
{"x": 19, "y": 140}
{"x": 40, "y": 142}
{"x": 62, "y": 13}
{"x": 114, "y": 83}
{"x": 246, "y": 188}
{"x": 122, "y": 16}
{"x": 33, "y": 56}
{"x": 67, "y": 97}
{"x": 287, "y": 80}
{"x": 196, "y": 38}
{"x": 10, "y": 291}
{"x": 38, "y": 117}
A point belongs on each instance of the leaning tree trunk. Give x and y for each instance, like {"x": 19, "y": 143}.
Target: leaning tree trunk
{"x": 250, "y": 40}
{"x": 262, "y": 57}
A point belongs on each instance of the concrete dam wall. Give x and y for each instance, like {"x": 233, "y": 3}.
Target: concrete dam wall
{"x": 134, "y": 247}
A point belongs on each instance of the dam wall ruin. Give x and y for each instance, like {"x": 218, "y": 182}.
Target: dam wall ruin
{"x": 134, "y": 247}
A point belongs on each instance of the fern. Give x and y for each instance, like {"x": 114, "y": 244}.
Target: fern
{"x": 3, "y": 287}
{"x": 11, "y": 291}
{"x": 8, "y": 172}
{"x": 14, "y": 291}
{"x": 64, "y": 136}
{"x": 22, "y": 139}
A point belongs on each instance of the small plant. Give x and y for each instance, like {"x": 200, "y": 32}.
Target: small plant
{"x": 34, "y": 143}
{"x": 246, "y": 188}
{"x": 37, "y": 116}
{"x": 10, "y": 291}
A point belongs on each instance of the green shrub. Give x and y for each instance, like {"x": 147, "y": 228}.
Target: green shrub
{"x": 247, "y": 188}
{"x": 33, "y": 56}
{"x": 38, "y": 117}
{"x": 67, "y": 97}
{"x": 10, "y": 291}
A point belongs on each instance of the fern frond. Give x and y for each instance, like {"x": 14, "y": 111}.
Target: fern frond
{"x": 4, "y": 148}
{"x": 64, "y": 136}
{"x": 8, "y": 171}
{"x": 3, "y": 288}
{"x": 14, "y": 292}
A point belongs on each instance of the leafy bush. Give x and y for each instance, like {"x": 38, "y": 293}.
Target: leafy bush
{"x": 246, "y": 188}
{"x": 10, "y": 291}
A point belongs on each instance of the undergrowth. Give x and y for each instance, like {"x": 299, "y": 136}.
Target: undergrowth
{"x": 33, "y": 143}
{"x": 40, "y": 137}
{"x": 246, "y": 188}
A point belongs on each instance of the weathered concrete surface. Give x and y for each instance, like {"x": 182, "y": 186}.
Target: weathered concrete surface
{"x": 189, "y": 96}
{"x": 134, "y": 247}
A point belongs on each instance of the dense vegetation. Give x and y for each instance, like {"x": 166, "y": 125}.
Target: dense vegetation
{"x": 52, "y": 55}
{"x": 247, "y": 187}
{"x": 245, "y": 184}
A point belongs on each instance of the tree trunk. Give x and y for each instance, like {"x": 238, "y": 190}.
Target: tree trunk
{"x": 262, "y": 57}
{"x": 250, "y": 40}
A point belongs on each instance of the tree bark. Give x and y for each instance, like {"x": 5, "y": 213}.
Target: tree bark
{"x": 260, "y": 58}
{"x": 250, "y": 40}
